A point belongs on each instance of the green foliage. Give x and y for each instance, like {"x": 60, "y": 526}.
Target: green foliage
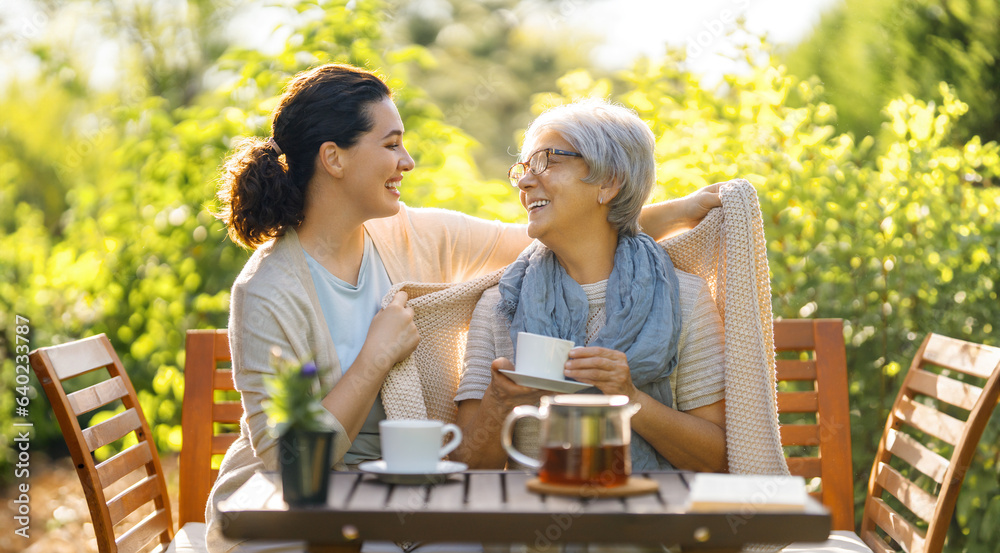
{"x": 867, "y": 53}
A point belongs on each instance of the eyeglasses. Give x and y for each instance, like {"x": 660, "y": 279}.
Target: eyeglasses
{"x": 537, "y": 163}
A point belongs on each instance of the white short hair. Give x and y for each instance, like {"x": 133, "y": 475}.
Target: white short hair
{"x": 617, "y": 146}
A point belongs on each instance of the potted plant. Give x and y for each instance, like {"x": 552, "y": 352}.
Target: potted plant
{"x": 302, "y": 427}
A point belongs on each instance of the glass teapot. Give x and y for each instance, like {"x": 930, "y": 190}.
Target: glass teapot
{"x": 584, "y": 439}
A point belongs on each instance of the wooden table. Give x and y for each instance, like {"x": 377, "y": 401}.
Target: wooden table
{"x": 496, "y": 507}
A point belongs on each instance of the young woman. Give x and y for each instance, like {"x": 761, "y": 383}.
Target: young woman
{"x": 592, "y": 277}
{"x": 319, "y": 201}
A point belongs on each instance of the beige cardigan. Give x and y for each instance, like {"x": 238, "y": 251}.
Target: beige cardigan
{"x": 274, "y": 303}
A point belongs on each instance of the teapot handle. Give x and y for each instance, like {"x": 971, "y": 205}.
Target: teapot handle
{"x": 507, "y": 434}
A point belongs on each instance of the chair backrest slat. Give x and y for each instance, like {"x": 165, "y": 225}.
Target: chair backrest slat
{"x": 798, "y": 402}
{"x": 806, "y": 467}
{"x": 204, "y": 351}
{"x": 920, "y": 405}
{"x": 137, "y": 495}
{"x": 227, "y": 412}
{"x": 76, "y": 358}
{"x": 894, "y": 525}
{"x": 223, "y": 379}
{"x": 794, "y": 369}
{"x": 945, "y": 389}
{"x": 115, "y": 468}
{"x": 799, "y": 434}
{"x": 55, "y": 364}
{"x": 98, "y": 395}
{"x": 141, "y": 534}
{"x": 965, "y": 357}
{"x": 875, "y": 543}
{"x": 916, "y": 454}
{"x": 796, "y": 334}
{"x": 825, "y": 373}
{"x": 115, "y": 428}
{"x": 929, "y": 420}
{"x": 221, "y": 443}
{"x": 915, "y": 498}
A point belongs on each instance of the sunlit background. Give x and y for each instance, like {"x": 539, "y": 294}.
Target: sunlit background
{"x": 869, "y": 128}
{"x": 624, "y": 28}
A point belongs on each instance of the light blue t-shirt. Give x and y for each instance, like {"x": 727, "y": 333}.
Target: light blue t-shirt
{"x": 349, "y": 311}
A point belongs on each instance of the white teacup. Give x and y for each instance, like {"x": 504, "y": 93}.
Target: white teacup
{"x": 414, "y": 446}
{"x": 542, "y": 356}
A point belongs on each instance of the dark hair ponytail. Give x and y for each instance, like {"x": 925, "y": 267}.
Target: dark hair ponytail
{"x": 262, "y": 194}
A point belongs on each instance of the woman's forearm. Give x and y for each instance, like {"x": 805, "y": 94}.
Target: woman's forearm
{"x": 352, "y": 398}
{"x": 688, "y": 441}
{"x": 481, "y": 422}
{"x": 664, "y": 219}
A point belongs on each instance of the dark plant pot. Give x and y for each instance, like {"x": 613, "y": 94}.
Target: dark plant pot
{"x": 304, "y": 459}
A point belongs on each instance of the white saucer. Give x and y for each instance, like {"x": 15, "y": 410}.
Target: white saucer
{"x": 564, "y": 386}
{"x": 444, "y": 470}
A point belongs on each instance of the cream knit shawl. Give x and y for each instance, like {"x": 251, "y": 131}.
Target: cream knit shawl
{"x": 726, "y": 249}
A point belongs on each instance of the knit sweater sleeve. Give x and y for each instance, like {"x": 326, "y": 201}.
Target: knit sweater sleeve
{"x": 480, "y": 350}
{"x": 701, "y": 367}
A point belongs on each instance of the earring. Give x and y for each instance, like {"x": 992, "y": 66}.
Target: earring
{"x": 600, "y": 200}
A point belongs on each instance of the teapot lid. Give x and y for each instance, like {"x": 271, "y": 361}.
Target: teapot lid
{"x": 586, "y": 400}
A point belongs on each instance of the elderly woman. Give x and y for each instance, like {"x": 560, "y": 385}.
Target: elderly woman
{"x": 643, "y": 329}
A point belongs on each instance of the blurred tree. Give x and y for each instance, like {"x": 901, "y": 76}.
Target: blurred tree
{"x": 489, "y": 58}
{"x": 95, "y": 56}
{"x": 867, "y": 52}
{"x": 163, "y": 48}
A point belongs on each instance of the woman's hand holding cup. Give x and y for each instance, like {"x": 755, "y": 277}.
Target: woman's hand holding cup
{"x": 605, "y": 369}
{"x": 506, "y": 392}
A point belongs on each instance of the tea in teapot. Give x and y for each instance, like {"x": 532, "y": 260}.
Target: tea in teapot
{"x": 584, "y": 439}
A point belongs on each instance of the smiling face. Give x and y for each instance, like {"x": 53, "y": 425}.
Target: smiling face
{"x": 374, "y": 166}
{"x": 562, "y": 208}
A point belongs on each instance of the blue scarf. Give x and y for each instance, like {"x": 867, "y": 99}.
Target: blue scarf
{"x": 643, "y": 315}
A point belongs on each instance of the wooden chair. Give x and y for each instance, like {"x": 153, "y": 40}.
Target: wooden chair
{"x": 826, "y": 397}
{"x": 922, "y": 427}
{"x": 114, "y": 533}
{"x": 202, "y": 438}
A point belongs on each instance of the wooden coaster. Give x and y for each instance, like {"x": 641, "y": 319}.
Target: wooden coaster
{"x": 633, "y": 486}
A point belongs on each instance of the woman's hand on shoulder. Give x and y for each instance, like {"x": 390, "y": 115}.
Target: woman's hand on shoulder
{"x": 698, "y": 203}
{"x": 392, "y": 335}
{"x": 606, "y": 369}
{"x": 665, "y": 219}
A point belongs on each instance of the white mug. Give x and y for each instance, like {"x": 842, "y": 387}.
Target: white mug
{"x": 414, "y": 446}
{"x": 542, "y": 356}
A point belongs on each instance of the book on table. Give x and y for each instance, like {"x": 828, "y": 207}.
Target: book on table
{"x": 739, "y": 493}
